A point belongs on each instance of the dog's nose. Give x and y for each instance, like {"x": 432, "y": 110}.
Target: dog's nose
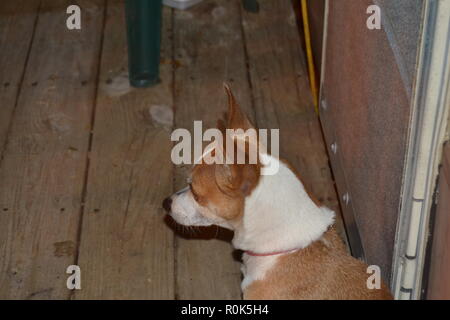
{"x": 167, "y": 204}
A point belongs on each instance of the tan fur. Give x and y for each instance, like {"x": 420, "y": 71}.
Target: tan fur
{"x": 323, "y": 270}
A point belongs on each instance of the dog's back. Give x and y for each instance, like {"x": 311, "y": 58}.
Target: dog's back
{"x": 323, "y": 270}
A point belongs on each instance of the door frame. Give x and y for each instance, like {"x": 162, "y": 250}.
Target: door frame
{"x": 427, "y": 133}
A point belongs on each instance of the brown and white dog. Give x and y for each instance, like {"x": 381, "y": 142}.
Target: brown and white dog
{"x": 291, "y": 249}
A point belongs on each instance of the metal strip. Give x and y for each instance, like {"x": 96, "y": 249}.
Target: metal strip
{"x": 353, "y": 236}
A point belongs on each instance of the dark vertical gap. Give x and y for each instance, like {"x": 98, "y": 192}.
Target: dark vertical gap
{"x": 91, "y": 134}
{"x": 429, "y": 246}
{"x": 19, "y": 90}
{"x": 247, "y": 65}
{"x": 296, "y": 7}
{"x": 174, "y": 124}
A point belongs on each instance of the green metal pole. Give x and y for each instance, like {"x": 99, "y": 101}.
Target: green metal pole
{"x": 144, "y": 36}
{"x": 251, "y": 5}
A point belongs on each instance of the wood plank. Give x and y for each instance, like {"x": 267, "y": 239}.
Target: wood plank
{"x": 209, "y": 48}
{"x": 282, "y": 96}
{"x": 42, "y": 172}
{"x": 126, "y": 250}
{"x": 17, "y": 24}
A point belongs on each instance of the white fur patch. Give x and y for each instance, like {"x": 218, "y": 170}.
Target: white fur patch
{"x": 279, "y": 215}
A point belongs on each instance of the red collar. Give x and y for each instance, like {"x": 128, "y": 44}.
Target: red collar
{"x": 255, "y": 254}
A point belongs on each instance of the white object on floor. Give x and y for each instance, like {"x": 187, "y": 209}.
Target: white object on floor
{"x": 180, "y": 4}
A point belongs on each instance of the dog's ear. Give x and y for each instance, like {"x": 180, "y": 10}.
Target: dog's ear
{"x": 236, "y": 118}
{"x": 226, "y": 177}
{"x": 238, "y": 179}
{"x": 233, "y": 179}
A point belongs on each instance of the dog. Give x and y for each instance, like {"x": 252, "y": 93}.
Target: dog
{"x": 291, "y": 249}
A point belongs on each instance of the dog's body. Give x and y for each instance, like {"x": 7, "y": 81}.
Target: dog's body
{"x": 291, "y": 250}
{"x": 323, "y": 270}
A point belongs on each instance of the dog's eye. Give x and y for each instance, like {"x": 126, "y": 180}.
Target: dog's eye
{"x": 196, "y": 197}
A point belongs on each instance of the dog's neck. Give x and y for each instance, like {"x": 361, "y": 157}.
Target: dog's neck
{"x": 279, "y": 215}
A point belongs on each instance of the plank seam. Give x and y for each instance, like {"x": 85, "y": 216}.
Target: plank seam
{"x": 174, "y": 109}
{"x": 91, "y": 134}
{"x": 247, "y": 66}
{"x": 19, "y": 90}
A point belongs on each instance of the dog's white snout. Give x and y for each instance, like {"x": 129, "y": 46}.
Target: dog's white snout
{"x": 184, "y": 209}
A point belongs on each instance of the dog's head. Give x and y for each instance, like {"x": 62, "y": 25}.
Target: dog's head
{"x": 215, "y": 194}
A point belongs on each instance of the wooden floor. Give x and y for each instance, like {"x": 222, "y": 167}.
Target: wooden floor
{"x": 85, "y": 159}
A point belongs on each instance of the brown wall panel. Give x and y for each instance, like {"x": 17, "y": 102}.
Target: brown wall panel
{"x": 366, "y": 116}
